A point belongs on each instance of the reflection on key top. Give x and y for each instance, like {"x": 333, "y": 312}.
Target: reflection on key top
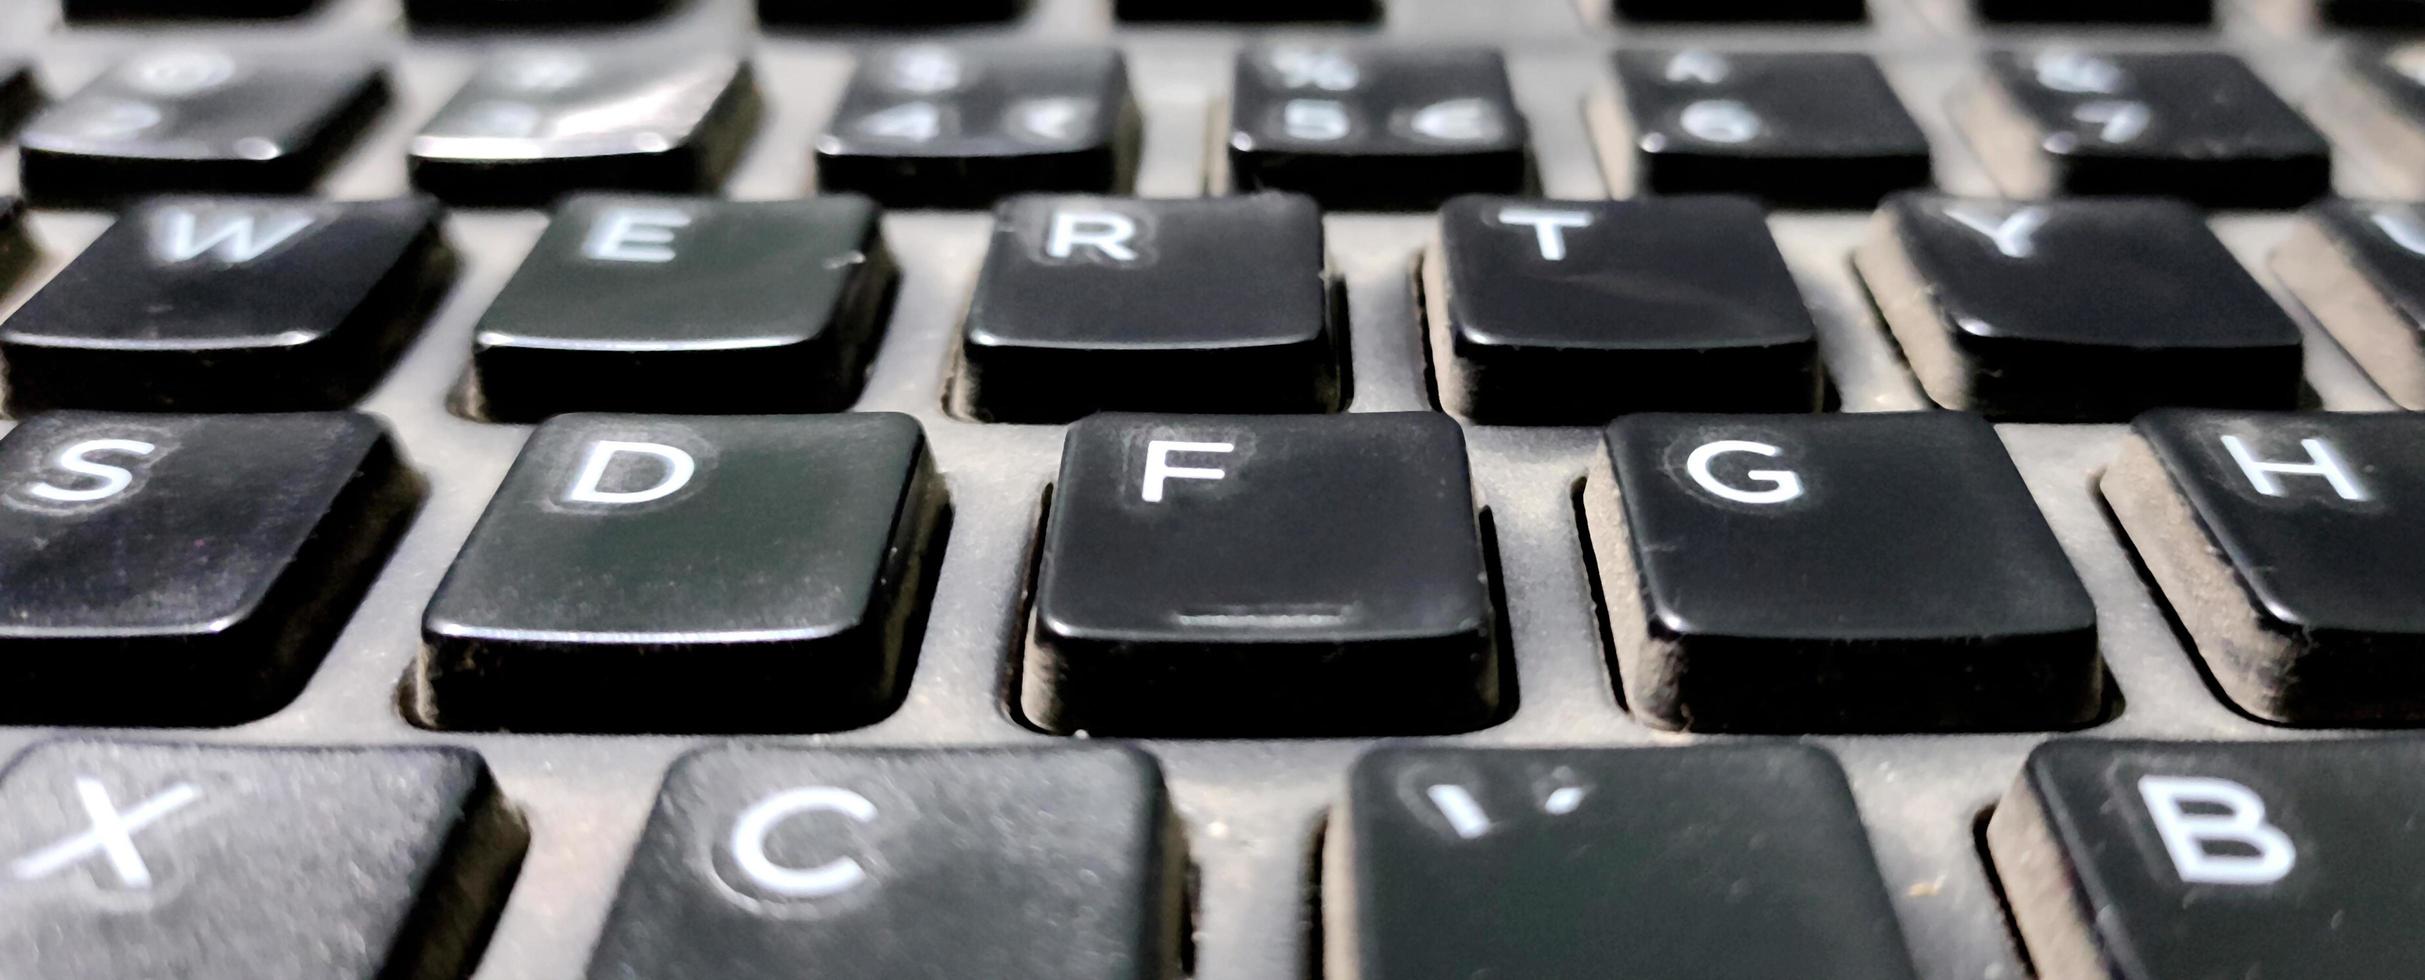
{"x": 1449, "y": 862}
{"x": 182, "y": 569}
{"x": 1243, "y": 575}
{"x": 122, "y": 859}
{"x": 2150, "y": 860}
{"x": 536, "y": 123}
{"x": 1375, "y": 128}
{"x": 936, "y": 126}
{"x": 1063, "y": 862}
{"x": 2087, "y": 310}
{"x": 1823, "y": 573}
{"x": 2287, "y": 548}
{"x": 198, "y": 118}
{"x": 230, "y": 304}
{"x": 1820, "y": 129}
{"x": 2198, "y": 125}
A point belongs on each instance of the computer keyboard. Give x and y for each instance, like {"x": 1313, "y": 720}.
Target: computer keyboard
{"x": 1250, "y": 490}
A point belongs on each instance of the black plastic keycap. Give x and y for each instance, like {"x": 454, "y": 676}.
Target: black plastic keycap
{"x": 2076, "y": 310}
{"x": 1239, "y": 575}
{"x": 20, "y": 95}
{"x": 2359, "y": 267}
{"x": 200, "y": 119}
{"x": 1214, "y": 304}
{"x": 230, "y": 304}
{"x": 2198, "y": 125}
{"x": 184, "y": 570}
{"x": 1650, "y": 864}
{"x": 941, "y": 127}
{"x": 80, "y": 11}
{"x": 912, "y": 13}
{"x": 1061, "y": 863}
{"x": 2290, "y": 551}
{"x": 129, "y": 859}
{"x": 1572, "y": 313}
{"x": 669, "y": 304}
{"x": 2095, "y": 11}
{"x": 1874, "y": 572}
{"x": 1727, "y": 11}
{"x": 530, "y": 12}
{"x": 2373, "y": 13}
{"x": 638, "y": 573}
{"x": 1375, "y": 128}
{"x": 535, "y": 123}
{"x": 1819, "y": 129}
{"x": 1248, "y": 11}
{"x": 2155, "y": 861}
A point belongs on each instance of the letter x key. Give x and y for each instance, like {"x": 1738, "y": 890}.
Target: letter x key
{"x": 112, "y": 834}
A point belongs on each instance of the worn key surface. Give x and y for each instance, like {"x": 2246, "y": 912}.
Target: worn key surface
{"x": 662, "y": 573}
{"x": 2290, "y": 550}
{"x": 1241, "y": 576}
{"x": 1818, "y": 129}
{"x": 2192, "y": 124}
{"x": 124, "y": 860}
{"x": 2359, "y": 269}
{"x": 1651, "y": 864}
{"x": 1089, "y": 304}
{"x": 184, "y": 570}
{"x": 1572, "y": 313}
{"x": 230, "y": 304}
{"x": 200, "y": 119}
{"x": 962, "y": 127}
{"x": 763, "y": 863}
{"x": 1874, "y": 572}
{"x": 2130, "y": 860}
{"x": 681, "y": 304}
{"x": 537, "y": 122}
{"x": 2080, "y": 310}
{"x": 1373, "y": 128}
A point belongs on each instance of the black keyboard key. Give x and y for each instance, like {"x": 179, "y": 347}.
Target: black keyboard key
{"x": 2285, "y": 546}
{"x": 2075, "y": 310}
{"x": 1449, "y": 863}
{"x": 1214, "y": 304}
{"x": 1723, "y": 11}
{"x": 531, "y": 12}
{"x": 1807, "y": 129}
{"x": 127, "y": 859}
{"x": 20, "y": 95}
{"x": 2198, "y": 125}
{"x": 200, "y": 119}
{"x": 1248, "y": 11}
{"x": 903, "y": 13}
{"x": 2155, "y": 860}
{"x": 2359, "y": 268}
{"x": 2373, "y": 13}
{"x": 81, "y": 11}
{"x": 668, "y": 304}
{"x": 230, "y": 304}
{"x": 1061, "y": 863}
{"x": 1805, "y": 573}
{"x": 932, "y": 126}
{"x": 533, "y": 124}
{"x": 1572, "y": 313}
{"x": 1376, "y": 128}
{"x": 752, "y": 573}
{"x": 2096, "y": 11}
{"x": 184, "y": 570}
{"x": 1238, "y": 575}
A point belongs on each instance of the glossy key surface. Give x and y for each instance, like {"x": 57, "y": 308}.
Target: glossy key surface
{"x": 230, "y": 304}
{"x": 183, "y": 570}
{"x": 1375, "y": 128}
{"x": 961, "y": 127}
{"x": 1818, "y": 129}
{"x": 682, "y": 304}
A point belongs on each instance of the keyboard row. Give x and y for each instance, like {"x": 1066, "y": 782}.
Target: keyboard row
{"x": 1356, "y": 127}
{"x": 920, "y": 13}
{"x": 2121, "y": 861}
{"x": 1204, "y": 575}
{"x": 1538, "y": 311}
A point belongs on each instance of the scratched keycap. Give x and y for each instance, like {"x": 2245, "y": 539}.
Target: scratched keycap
{"x": 121, "y": 860}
